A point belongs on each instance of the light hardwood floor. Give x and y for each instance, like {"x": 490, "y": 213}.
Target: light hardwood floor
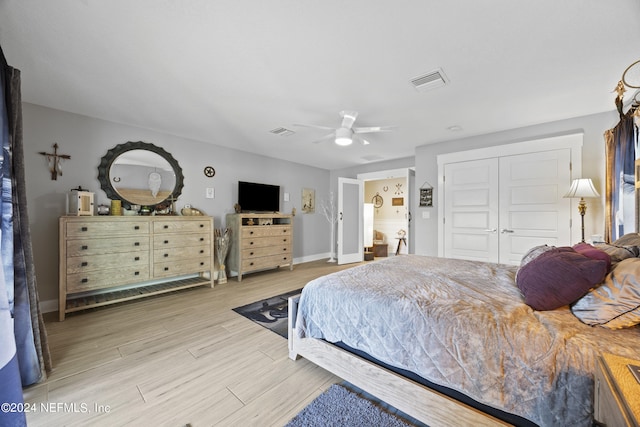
{"x": 178, "y": 359}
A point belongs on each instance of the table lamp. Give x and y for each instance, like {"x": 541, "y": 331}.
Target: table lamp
{"x": 581, "y": 188}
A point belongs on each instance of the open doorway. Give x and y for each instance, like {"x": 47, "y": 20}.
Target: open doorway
{"x": 388, "y": 193}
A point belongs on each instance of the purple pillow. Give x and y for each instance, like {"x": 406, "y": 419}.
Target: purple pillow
{"x": 593, "y": 253}
{"x": 559, "y": 277}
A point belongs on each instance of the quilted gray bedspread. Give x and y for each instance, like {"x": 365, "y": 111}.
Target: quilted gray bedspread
{"x": 464, "y": 325}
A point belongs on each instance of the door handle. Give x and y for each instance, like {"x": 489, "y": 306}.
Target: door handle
{"x": 491, "y": 230}
{"x": 506, "y": 230}
{"x": 340, "y": 216}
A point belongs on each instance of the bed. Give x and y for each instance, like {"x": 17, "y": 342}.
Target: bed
{"x": 453, "y": 342}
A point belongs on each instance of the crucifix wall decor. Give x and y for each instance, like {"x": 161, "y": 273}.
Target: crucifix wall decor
{"x": 54, "y": 161}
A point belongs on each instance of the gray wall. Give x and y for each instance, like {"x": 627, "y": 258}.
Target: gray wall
{"x": 87, "y": 141}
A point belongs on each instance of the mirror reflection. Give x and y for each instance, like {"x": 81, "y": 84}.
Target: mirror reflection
{"x": 142, "y": 177}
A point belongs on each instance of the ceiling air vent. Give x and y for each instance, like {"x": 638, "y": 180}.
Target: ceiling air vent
{"x": 282, "y": 131}
{"x": 432, "y": 80}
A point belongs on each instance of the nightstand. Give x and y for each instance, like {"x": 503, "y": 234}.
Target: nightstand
{"x": 617, "y": 393}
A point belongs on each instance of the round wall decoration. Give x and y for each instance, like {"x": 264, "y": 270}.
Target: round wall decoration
{"x": 377, "y": 200}
{"x": 209, "y": 171}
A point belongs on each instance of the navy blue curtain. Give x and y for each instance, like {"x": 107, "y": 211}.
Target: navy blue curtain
{"x": 11, "y": 389}
{"x": 620, "y": 177}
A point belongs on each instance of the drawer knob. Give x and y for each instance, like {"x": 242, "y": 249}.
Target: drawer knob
{"x": 136, "y": 244}
{"x": 201, "y": 251}
{"x": 284, "y": 240}
{"x": 250, "y": 263}
{"x": 137, "y": 273}
{"x": 85, "y": 247}
{"x": 250, "y": 253}
{"x": 137, "y": 227}
{"x": 251, "y": 243}
{"x": 166, "y": 255}
{"x": 166, "y": 269}
{"x": 202, "y": 239}
{"x": 284, "y": 249}
{"x": 166, "y": 241}
{"x": 84, "y": 263}
{"x": 250, "y": 232}
{"x": 137, "y": 258}
{"x": 85, "y": 280}
{"x": 202, "y": 263}
{"x": 83, "y": 229}
{"x": 165, "y": 227}
{"x": 201, "y": 225}
{"x": 285, "y": 258}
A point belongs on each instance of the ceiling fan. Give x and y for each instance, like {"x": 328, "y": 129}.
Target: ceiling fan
{"x": 346, "y": 133}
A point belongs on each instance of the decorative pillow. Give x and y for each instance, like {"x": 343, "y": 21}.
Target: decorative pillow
{"x": 593, "y": 253}
{"x": 618, "y": 253}
{"x": 558, "y": 277}
{"x": 616, "y": 303}
{"x": 630, "y": 239}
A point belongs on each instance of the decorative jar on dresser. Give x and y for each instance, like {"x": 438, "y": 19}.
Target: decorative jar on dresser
{"x": 109, "y": 259}
{"x": 259, "y": 241}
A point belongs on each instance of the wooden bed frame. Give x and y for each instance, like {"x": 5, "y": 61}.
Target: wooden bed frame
{"x": 429, "y": 406}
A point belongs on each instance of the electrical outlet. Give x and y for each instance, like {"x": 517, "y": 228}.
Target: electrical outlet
{"x": 210, "y": 194}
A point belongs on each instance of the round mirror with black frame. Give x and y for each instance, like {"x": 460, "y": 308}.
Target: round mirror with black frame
{"x": 140, "y": 173}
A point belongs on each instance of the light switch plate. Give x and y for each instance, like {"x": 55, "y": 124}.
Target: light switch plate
{"x": 210, "y": 193}
{"x": 286, "y": 197}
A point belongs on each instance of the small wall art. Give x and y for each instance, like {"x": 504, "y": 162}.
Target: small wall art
{"x": 426, "y": 195}
{"x": 308, "y": 200}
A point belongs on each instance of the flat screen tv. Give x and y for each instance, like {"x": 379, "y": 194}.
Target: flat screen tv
{"x": 255, "y": 197}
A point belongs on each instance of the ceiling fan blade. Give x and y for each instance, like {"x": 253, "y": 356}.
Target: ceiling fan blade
{"x": 313, "y": 126}
{"x": 348, "y": 118}
{"x": 371, "y": 129}
{"x": 327, "y": 136}
{"x": 362, "y": 140}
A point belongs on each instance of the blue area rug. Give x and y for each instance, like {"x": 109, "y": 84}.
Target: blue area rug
{"x": 272, "y": 313}
{"x": 341, "y": 407}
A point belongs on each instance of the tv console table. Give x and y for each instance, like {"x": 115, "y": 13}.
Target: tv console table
{"x": 259, "y": 241}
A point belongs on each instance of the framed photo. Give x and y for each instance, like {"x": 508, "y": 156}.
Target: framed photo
{"x": 426, "y": 196}
{"x": 397, "y": 201}
{"x": 308, "y": 200}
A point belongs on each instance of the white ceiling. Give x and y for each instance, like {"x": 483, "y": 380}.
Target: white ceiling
{"x": 229, "y": 71}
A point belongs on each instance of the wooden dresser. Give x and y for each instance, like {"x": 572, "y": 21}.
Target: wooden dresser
{"x": 617, "y": 393}
{"x": 259, "y": 242}
{"x": 109, "y": 259}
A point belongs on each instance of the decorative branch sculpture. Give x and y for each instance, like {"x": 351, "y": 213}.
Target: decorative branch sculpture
{"x": 330, "y": 212}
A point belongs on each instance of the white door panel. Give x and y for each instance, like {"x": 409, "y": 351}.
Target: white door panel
{"x": 471, "y": 218}
{"x": 532, "y": 209}
{"x": 350, "y": 220}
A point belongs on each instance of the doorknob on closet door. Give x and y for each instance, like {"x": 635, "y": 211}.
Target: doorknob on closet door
{"x": 491, "y": 230}
{"x": 506, "y": 230}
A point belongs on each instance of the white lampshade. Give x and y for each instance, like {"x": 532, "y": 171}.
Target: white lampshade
{"x": 582, "y": 187}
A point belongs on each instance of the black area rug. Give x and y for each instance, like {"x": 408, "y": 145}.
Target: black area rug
{"x": 272, "y": 313}
{"x": 340, "y": 406}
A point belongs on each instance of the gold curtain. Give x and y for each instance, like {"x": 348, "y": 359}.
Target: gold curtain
{"x": 610, "y": 167}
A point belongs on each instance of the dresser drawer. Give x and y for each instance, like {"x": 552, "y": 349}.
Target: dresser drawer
{"x": 190, "y": 226}
{"x": 84, "y": 247}
{"x": 174, "y": 268}
{"x": 181, "y": 240}
{"x": 102, "y": 279}
{"x": 262, "y": 242}
{"x": 92, "y": 229}
{"x": 265, "y": 262}
{"x": 266, "y": 251}
{"x": 172, "y": 254}
{"x": 100, "y": 262}
{"x": 266, "y": 231}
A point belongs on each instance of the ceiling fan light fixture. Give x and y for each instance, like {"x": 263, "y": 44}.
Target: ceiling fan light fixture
{"x": 343, "y": 136}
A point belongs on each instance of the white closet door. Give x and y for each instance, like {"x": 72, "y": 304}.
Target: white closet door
{"x": 532, "y": 209}
{"x": 471, "y": 210}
